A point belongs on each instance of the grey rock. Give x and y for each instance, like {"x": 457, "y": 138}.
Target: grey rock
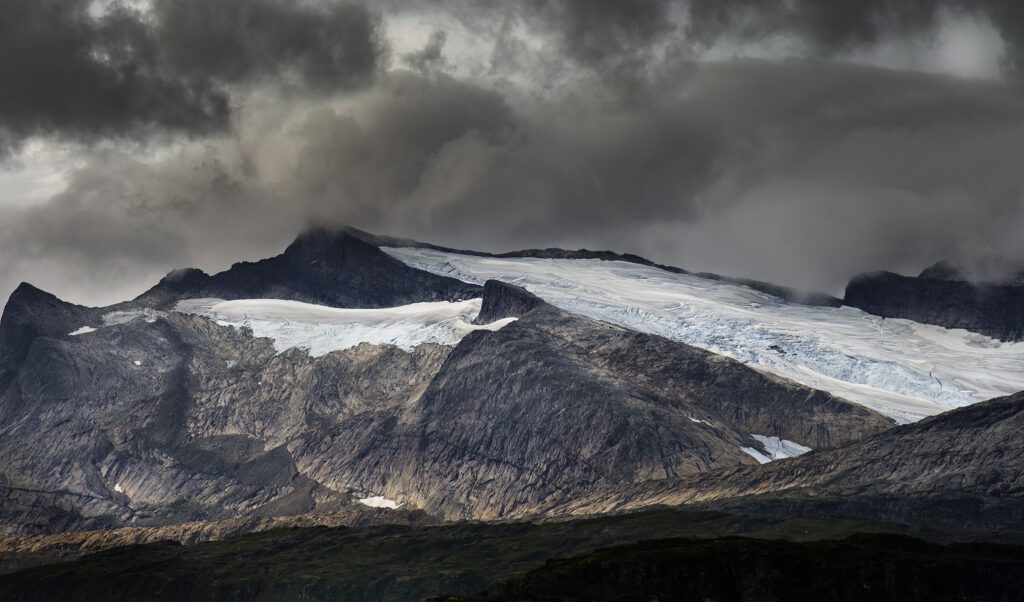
{"x": 956, "y": 467}
{"x": 941, "y": 296}
{"x": 329, "y": 267}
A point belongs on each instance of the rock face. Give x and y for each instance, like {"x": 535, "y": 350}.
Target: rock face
{"x": 171, "y": 417}
{"x": 941, "y": 296}
{"x": 329, "y": 267}
{"x": 503, "y": 300}
{"x": 555, "y": 405}
{"x": 31, "y": 313}
{"x": 957, "y": 467}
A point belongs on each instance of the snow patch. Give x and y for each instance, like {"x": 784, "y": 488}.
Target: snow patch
{"x": 127, "y": 315}
{"x": 757, "y": 455}
{"x": 82, "y": 330}
{"x": 698, "y": 420}
{"x": 117, "y": 488}
{"x": 901, "y": 368}
{"x": 320, "y": 330}
{"x": 378, "y": 501}
{"x": 781, "y": 448}
{"x": 137, "y": 362}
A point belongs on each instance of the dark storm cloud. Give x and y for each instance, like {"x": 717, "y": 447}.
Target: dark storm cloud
{"x": 431, "y": 56}
{"x": 68, "y": 73}
{"x": 331, "y": 46}
{"x": 804, "y": 170}
{"x": 835, "y": 25}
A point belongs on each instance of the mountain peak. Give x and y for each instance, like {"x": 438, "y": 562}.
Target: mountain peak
{"x": 503, "y": 300}
{"x": 26, "y": 291}
{"x": 942, "y": 270}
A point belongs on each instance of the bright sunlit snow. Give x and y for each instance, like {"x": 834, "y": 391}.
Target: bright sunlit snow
{"x": 756, "y": 454}
{"x": 901, "y": 368}
{"x": 778, "y": 449}
{"x": 378, "y": 501}
{"x": 781, "y": 448}
{"x": 320, "y": 329}
{"x": 82, "y": 330}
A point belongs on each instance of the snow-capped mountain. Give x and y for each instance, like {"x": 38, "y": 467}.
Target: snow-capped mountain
{"x": 339, "y": 375}
{"x": 904, "y": 369}
{"x": 179, "y": 406}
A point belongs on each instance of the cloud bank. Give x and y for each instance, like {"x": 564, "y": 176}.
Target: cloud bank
{"x": 788, "y": 141}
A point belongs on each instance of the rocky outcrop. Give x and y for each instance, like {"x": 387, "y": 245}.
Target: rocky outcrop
{"x": 941, "y": 296}
{"x": 329, "y": 267}
{"x": 503, "y": 300}
{"x": 956, "y": 467}
{"x": 31, "y": 313}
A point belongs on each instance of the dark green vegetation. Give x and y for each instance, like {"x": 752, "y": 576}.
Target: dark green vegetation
{"x": 862, "y": 567}
{"x": 409, "y": 563}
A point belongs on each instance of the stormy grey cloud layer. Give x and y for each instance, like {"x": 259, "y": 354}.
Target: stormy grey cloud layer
{"x": 793, "y": 141}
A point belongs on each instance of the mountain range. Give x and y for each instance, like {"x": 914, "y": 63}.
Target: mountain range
{"x": 362, "y": 379}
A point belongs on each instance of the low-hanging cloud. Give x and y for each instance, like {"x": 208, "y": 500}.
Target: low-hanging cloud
{"x": 802, "y": 170}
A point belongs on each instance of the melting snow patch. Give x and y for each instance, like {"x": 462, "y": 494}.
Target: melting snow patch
{"x": 137, "y": 363}
{"x": 698, "y": 420}
{"x": 901, "y": 368}
{"x": 127, "y": 315}
{"x": 781, "y": 448}
{"x": 777, "y": 449}
{"x": 379, "y": 501}
{"x": 82, "y": 330}
{"x": 117, "y": 488}
{"x": 750, "y": 451}
{"x": 321, "y": 330}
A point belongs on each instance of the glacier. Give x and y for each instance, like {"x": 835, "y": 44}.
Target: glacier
{"x": 319, "y": 329}
{"x": 903, "y": 369}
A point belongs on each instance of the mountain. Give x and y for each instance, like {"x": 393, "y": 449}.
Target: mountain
{"x": 327, "y": 267}
{"x": 941, "y": 295}
{"x": 362, "y": 380}
{"x": 904, "y": 369}
{"x": 963, "y": 467}
{"x": 138, "y": 414}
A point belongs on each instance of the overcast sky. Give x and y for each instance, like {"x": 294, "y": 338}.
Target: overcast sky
{"x": 796, "y": 141}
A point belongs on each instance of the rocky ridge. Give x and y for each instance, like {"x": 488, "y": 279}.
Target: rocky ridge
{"x": 962, "y": 468}
{"x": 169, "y": 417}
{"x": 941, "y": 295}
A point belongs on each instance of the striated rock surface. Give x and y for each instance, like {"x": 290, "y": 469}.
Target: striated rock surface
{"x": 554, "y": 405}
{"x": 963, "y": 467}
{"x": 941, "y": 296}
